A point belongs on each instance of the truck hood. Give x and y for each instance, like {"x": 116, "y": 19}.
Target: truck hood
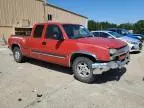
{"x": 102, "y": 42}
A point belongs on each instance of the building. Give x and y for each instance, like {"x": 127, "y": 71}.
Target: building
{"x": 18, "y": 16}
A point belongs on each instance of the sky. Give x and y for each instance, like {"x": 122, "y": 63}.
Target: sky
{"x": 114, "y": 11}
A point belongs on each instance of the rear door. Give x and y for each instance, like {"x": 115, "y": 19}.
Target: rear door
{"x": 36, "y": 41}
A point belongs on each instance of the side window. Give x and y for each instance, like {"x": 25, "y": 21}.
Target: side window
{"x": 104, "y": 35}
{"x": 53, "y": 32}
{"x": 120, "y": 32}
{"x": 96, "y": 34}
{"x": 113, "y": 30}
{"x": 38, "y": 31}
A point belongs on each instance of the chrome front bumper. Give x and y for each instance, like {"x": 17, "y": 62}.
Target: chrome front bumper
{"x": 99, "y": 68}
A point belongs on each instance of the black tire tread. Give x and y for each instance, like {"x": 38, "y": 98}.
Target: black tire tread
{"x": 89, "y": 79}
{"x": 21, "y": 58}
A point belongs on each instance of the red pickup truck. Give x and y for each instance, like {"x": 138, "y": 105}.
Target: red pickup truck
{"x": 70, "y": 45}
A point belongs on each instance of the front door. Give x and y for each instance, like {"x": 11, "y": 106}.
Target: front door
{"x": 54, "y": 50}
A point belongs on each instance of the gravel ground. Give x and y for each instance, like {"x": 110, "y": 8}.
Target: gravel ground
{"x": 36, "y": 84}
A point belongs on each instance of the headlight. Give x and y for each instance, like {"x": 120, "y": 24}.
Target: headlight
{"x": 112, "y": 51}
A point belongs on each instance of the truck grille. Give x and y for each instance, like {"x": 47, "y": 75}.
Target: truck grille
{"x": 121, "y": 57}
{"x": 122, "y": 51}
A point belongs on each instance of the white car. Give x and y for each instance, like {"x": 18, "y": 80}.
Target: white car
{"x": 134, "y": 44}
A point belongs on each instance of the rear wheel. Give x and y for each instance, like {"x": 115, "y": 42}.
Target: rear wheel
{"x": 83, "y": 71}
{"x": 18, "y": 57}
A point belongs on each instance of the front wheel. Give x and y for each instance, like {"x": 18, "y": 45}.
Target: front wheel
{"x": 83, "y": 71}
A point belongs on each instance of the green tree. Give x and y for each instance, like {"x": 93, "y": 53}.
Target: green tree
{"x": 127, "y": 26}
{"x": 91, "y": 25}
{"x": 139, "y": 27}
{"x": 106, "y": 25}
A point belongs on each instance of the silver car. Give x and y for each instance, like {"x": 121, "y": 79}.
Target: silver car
{"x": 134, "y": 44}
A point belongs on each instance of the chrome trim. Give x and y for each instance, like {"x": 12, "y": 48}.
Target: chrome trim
{"x": 47, "y": 54}
{"x": 122, "y": 51}
{"x": 98, "y": 68}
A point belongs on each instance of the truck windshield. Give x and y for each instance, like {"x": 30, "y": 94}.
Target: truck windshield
{"x": 115, "y": 34}
{"x": 76, "y": 31}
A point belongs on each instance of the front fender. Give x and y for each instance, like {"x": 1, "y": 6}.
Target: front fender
{"x": 81, "y": 53}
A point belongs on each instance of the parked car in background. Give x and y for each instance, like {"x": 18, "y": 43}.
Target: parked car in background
{"x": 71, "y": 45}
{"x": 140, "y": 35}
{"x": 134, "y": 44}
{"x": 125, "y": 33}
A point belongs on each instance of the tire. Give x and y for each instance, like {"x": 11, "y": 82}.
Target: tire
{"x": 18, "y": 57}
{"x": 82, "y": 68}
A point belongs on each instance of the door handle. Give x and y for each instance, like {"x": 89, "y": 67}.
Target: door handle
{"x": 43, "y": 43}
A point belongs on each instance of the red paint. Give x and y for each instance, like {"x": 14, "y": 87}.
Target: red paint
{"x": 62, "y": 50}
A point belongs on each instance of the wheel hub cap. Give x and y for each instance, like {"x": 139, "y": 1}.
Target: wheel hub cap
{"x": 83, "y": 69}
{"x": 17, "y": 55}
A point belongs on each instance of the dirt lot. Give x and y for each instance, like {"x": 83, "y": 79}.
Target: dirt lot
{"x": 36, "y": 84}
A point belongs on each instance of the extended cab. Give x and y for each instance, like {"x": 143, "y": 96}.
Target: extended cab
{"x": 70, "y": 45}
